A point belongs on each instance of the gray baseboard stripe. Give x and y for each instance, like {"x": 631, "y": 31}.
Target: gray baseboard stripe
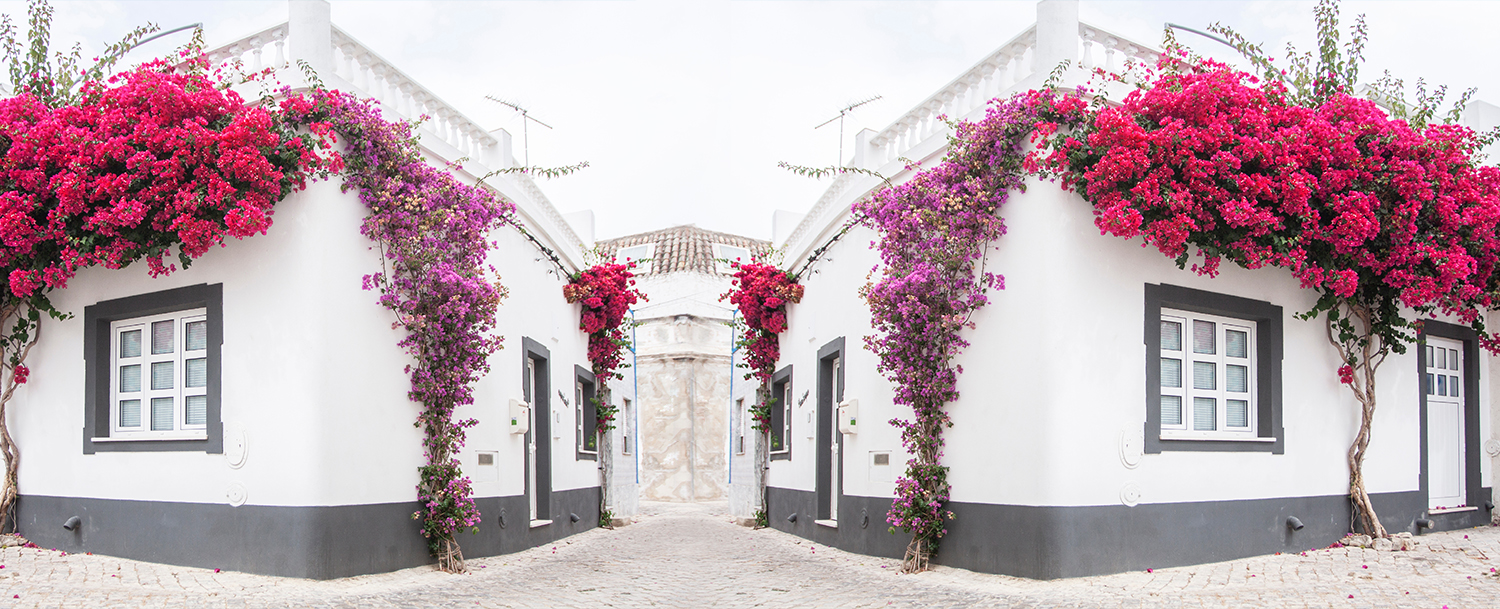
{"x": 322, "y": 542}
{"x": 1050, "y": 542}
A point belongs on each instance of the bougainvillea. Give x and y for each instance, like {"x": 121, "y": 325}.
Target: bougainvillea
{"x": 1369, "y": 212}
{"x": 934, "y": 232}
{"x": 434, "y": 232}
{"x": 147, "y": 164}
{"x": 605, "y": 291}
{"x": 762, "y": 292}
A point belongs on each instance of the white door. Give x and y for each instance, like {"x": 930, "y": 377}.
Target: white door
{"x": 531, "y": 435}
{"x": 1445, "y": 424}
{"x": 835, "y": 485}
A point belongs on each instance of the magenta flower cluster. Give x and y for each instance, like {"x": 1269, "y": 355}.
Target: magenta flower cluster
{"x": 434, "y": 232}
{"x": 605, "y": 293}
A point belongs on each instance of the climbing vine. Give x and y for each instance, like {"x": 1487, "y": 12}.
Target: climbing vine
{"x": 434, "y": 233}
{"x": 934, "y": 232}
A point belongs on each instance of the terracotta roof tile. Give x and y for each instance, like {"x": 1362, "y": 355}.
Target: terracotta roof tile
{"x": 683, "y": 248}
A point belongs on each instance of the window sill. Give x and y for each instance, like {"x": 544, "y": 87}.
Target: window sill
{"x": 540, "y": 523}
{"x": 832, "y": 524}
{"x": 1202, "y": 437}
{"x": 1452, "y": 510}
{"x": 164, "y": 438}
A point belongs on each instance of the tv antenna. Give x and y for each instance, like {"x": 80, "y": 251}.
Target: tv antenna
{"x": 840, "y": 119}
{"x": 525, "y": 117}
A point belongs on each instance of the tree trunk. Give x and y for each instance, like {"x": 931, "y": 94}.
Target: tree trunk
{"x": 1366, "y": 354}
{"x": 12, "y": 453}
{"x": 762, "y": 463}
{"x": 606, "y": 470}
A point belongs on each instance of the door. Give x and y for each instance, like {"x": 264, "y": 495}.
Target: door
{"x": 1445, "y": 423}
{"x": 835, "y": 473}
{"x": 828, "y": 441}
{"x": 531, "y": 489}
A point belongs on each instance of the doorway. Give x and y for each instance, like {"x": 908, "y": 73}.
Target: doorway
{"x": 830, "y": 462}
{"x": 1445, "y": 391}
{"x": 535, "y": 386}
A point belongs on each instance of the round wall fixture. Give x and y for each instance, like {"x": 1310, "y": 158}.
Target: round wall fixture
{"x": 236, "y": 446}
{"x": 237, "y": 495}
{"x": 1492, "y": 447}
{"x": 1131, "y": 446}
{"x": 1130, "y": 494}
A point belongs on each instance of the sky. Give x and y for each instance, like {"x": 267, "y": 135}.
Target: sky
{"x": 684, "y": 109}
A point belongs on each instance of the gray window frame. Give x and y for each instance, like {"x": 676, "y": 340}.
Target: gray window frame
{"x": 1269, "y": 346}
{"x": 96, "y": 358}
{"x": 783, "y": 406}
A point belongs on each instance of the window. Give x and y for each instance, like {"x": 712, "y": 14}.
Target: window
{"x": 627, "y": 428}
{"x": 1213, "y": 372}
{"x": 159, "y": 377}
{"x": 738, "y": 432}
{"x": 781, "y": 414}
{"x": 641, "y": 254}
{"x": 152, "y": 372}
{"x": 586, "y": 414}
{"x": 1207, "y": 375}
{"x": 726, "y": 254}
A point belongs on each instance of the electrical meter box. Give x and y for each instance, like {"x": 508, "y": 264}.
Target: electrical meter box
{"x": 520, "y": 417}
{"x": 849, "y": 416}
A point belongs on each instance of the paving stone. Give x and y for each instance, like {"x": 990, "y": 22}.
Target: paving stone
{"x": 692, "y": 555}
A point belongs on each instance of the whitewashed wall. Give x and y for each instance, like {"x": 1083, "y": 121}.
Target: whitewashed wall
{"x": 311, "y": 375}
{"x": 1056, "y": 375}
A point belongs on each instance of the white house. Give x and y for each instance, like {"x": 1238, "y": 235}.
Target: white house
{"x": 1072, "y": 452}
{"x": 294, "y": 451}
{"x": 681, "y": 369}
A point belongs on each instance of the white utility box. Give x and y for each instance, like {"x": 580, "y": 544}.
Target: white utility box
{"x": 520, "y": 417}
{"x": 849, "y": 416}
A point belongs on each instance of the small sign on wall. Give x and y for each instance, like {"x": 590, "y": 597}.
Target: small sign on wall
{"x": 880, "y": 466}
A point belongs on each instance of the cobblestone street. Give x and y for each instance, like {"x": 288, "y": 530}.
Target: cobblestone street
{"x": 692, "y": 556}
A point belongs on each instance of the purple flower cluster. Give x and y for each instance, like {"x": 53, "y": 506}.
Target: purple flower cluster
{"x": 934, "y": 232}
{"x": 434, "y": 232}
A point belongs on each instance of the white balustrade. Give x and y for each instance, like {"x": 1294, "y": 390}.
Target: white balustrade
{"x": 997, "y": 74}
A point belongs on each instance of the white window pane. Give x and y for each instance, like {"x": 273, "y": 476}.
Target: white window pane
{"x": 1431, "y": 384}
{"x": 1453, "y": 386}
{"x": 130, "y": 343}
{"x": 130, "y": 413}
{"x": 197, "y": 372}
{"x": 1204, "y": 412}
{"x": 1442, "y": 388}
{"x": 1236, "y": 413}
{"x": 1203, "y": 337}
{"x": 197, "y": 335}
{"x": 161, "y": 414}
{"x": 161, "y": 336}
{"x": 130, "y": 378}
{"x": 1236, "y": 343}
{"x": 1442, "y": 359}
{"x": 1205, "y": 375}
{"x": 1429, "y": 356}
{"x": 1171, "y": 410}
{"x": 1171, "y": 336}
{"x": 1453, "y": 359}
{"x": 197, "y": 410}
{"x": 1171, "y": 372}
{"x": 161, "y": 375}
{"x": 1237, "y": 379}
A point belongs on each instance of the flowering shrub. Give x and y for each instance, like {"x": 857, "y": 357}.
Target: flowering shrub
{"x": 606, "y": 292}
{"x": 1371, "y": 213}
{"x": 140, "y": 165}
{"x": 434, "y": 232}
{"x": 762, "y": 291}
{"x": 934, "y": 232}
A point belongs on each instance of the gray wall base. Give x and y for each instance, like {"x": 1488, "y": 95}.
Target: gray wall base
{"x": 1049, "y": 542}
{"x": 322, "y": 542}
